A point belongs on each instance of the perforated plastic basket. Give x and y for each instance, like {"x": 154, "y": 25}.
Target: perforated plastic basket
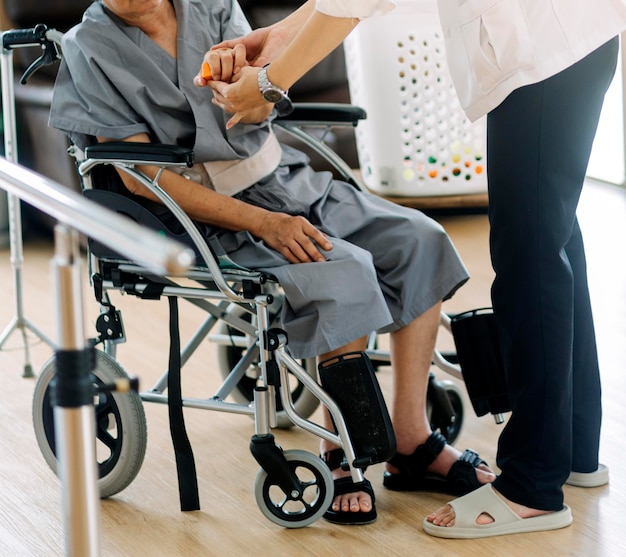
{"x": 416, "y": 140}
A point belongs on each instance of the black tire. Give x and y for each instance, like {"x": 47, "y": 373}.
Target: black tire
{"x": 296, "y": 513}
{"x": 121, "y": 431}
{"x": 439, "y": 420}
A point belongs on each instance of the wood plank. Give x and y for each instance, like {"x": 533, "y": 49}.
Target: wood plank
{"x": 145, "y": 519}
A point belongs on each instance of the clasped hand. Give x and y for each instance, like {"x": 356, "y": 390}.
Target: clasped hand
{"x": 229, "y": 66}
{"x": 234, "y": 67}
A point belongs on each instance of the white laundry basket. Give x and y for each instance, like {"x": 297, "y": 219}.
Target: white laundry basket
{"x": 416, "y": 140}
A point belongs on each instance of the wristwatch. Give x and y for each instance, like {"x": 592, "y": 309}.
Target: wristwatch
{"x": 270, "y": 92}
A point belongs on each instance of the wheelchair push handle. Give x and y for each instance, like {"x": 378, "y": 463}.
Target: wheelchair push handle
{"x": 40, "y": 35}
{"x": 24, "y": 37}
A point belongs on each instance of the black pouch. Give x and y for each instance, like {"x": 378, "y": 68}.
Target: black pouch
{"x": 351, "y": 382}
{"x": 478, "y": 352}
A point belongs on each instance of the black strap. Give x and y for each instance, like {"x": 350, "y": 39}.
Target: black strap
{"x": 185, "y": 464}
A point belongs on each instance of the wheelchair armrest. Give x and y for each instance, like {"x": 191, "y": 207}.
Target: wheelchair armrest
{"x": 126, "y": 155}
{"x": 306, "y": 116}
{"x": 140, "y": 153}
{"x": 323, "y": 114}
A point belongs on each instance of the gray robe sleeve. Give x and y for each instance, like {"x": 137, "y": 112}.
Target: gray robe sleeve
{"x": 86, "y": 103}
{"x": 115, "y": 82}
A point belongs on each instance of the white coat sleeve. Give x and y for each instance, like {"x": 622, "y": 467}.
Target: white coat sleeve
{"x": 354, "y": 8}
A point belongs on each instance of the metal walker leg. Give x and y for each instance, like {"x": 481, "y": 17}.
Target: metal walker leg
{"x": 19, "y": 322}
{"x": 74, "y": 415}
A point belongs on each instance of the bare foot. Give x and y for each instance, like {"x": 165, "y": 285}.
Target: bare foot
{"x": 444, "y": 516}
{"x": 359, "y": 501}
{"x": 350, "y": 502}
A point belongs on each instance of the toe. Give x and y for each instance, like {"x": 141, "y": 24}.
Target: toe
{"x": 444, "y": 516}
{"x": 353, "y": 502}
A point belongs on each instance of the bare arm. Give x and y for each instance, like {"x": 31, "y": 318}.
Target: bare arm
{"x": 317, "y": 38}
{"x": 294, "y": 237}
{"x": 264, "y": 44}
{"x": 318, "y": 35}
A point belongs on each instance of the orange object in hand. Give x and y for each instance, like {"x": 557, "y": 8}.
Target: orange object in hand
{"x": 206, "y": 71}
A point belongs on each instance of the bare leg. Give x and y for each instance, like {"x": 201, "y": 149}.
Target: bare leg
{"x": 411, "y": 355}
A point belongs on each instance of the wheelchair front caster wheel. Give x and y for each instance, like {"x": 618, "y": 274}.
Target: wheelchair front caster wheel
{"x": 121, "y": 431}
{"x": 304, "y": 510}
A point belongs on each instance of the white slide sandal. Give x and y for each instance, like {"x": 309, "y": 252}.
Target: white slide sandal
{"x": 485, "y": 500}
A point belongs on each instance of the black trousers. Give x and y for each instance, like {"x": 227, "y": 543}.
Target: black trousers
{"x": 539, "y": 142}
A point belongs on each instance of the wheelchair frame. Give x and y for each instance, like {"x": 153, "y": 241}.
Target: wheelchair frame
{"x": 243, "y": 289}
{"x": 254, "y": 293}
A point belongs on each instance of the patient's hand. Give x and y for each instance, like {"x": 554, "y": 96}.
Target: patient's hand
{"x": 223, "y": 67}
{"x": 239, "y": 95}
{"x": 225, "y": 63}
{"x": 294, "y": 237}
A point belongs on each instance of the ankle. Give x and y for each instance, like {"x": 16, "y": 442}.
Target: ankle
{"x": 407, "y": 444}
{"x": 409, "y": 436}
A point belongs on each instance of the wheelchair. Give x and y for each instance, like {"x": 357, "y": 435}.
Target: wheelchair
{"x": 260, "y": 378}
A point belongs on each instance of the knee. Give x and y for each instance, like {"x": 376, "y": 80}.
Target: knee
{"x": 350, "y": 265}
{"x": 428, "y": 233}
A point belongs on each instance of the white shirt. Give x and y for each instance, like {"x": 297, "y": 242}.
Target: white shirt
{"x": 496, "y": 46}
{"x": 354, "y": 8}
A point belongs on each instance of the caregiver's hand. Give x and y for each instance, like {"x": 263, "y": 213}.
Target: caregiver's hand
{"x": 241, "y": 97}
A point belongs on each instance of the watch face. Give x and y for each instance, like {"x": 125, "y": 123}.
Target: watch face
{"x": 272, "y": 95}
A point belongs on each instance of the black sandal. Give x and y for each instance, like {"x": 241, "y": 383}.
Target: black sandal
{"x": 412, "y": 474}
{"x": 334, "y": 459}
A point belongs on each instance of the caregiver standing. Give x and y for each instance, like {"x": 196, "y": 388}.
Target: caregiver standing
{"x": 539, "y": 69}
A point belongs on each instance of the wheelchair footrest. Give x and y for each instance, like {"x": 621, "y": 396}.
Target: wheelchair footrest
{"x": 351, "y": 382}
{"x": 478, "y": 350}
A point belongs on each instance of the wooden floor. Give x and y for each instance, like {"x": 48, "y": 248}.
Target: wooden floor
{"x": 145, "y": 518}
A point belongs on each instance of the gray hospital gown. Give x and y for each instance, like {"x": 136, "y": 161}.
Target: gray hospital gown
{"x": 388, "y": 264}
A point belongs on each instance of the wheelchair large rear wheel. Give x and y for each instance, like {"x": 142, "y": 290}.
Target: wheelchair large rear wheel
{"x": 438, "y": 417}
{"x": 121, "y": 431}
{"x": 228, "y": 355}
{"x": 298, "y": 512}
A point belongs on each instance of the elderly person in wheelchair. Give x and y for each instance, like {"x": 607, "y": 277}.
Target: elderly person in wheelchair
{"x": 349, "y": 263}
